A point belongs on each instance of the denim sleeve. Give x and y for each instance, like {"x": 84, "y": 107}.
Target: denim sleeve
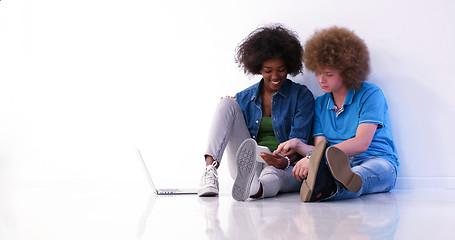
{"x": 303, "y": 117}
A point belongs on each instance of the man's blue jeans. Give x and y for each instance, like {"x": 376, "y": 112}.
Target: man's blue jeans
{"x": 378, "y": 175}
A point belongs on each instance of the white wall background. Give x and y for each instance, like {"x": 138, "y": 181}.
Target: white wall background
{"x": 83, "y": 83}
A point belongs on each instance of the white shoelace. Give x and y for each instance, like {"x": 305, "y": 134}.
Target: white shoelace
{"x": 210, "y": 173}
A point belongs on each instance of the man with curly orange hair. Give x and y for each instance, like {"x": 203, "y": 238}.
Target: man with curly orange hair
{"x": 354, "y": 152}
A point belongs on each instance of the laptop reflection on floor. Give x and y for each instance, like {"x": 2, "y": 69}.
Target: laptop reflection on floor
{"x": 161, "y": 191}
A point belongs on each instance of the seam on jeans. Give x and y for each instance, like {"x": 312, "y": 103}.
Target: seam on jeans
{"x": 380, "y": 174}
{"x": 388, "y": 188}
{"x": 219, "y": 150}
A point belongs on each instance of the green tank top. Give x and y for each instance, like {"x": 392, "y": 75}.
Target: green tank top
{"x": 266, "y": 136}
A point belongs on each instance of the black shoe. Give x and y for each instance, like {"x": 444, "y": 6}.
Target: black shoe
{"x": 319, "y": 183}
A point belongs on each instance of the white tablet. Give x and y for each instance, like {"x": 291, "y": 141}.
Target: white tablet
{"x": 263, "y": 149}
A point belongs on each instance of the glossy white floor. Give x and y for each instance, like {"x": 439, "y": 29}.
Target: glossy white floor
{"x": 75, "y": 209}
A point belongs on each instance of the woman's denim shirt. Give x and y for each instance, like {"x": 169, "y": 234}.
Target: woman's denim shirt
{"x": 292, "y": 110}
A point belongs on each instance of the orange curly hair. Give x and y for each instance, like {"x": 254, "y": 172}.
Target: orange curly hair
{"x": 340, "y": 49}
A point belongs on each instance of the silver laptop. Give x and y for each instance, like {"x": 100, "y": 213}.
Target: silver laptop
{"x": 161, "y": 191}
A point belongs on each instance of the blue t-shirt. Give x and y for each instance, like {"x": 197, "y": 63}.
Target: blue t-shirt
{"x": 367, "y": 105}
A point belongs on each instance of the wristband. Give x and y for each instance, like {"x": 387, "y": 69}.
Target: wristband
{"x": 308, "y": 154}
{"x": 289, "y": 162}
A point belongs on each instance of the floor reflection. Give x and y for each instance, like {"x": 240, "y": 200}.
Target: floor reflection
{"x": 369, "y": 217}
{"x": 209, "y": 208}
{"x": 145, "y": 216}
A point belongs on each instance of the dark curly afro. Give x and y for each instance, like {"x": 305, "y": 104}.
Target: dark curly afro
{"x": 270, "y": 42}
{"x": 340, "y": 49}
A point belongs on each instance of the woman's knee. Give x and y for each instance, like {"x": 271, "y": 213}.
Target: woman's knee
{"x": 272, "y": 172}
{"x": 227, "y": 103}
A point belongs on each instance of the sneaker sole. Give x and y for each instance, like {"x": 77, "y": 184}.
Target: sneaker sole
{"x": 341, "y": 169}
{"x": 306, "y": 190}
{"x": 205, "y": 192}
{"x": 246, "y": 163}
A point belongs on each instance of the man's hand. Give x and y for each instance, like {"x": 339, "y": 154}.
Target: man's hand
{"x": 300, "y": 170}
{"x": 291, "y": 147}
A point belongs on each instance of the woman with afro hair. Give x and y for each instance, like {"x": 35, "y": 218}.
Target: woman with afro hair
{"x": 256, "y": 120}
{"x": 354, "y": 153}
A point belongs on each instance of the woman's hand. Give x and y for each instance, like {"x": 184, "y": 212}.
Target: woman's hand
{"x": 291, "y": 147}
{"x": 276, "y": 161}
{"x": 300, "y": 170}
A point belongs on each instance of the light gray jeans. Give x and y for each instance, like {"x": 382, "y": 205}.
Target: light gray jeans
{"x": 227, "y": 132}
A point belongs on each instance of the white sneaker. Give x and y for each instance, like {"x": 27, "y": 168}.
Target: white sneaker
{"x": 209, "y": 181}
